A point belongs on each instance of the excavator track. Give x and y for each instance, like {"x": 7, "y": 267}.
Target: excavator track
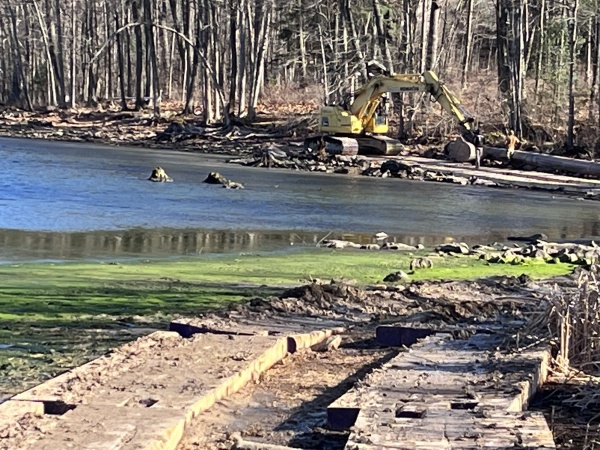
{"x": 351, "y": 146}
{"x": 379, "y": 145}
{"x": 334, "y": 145}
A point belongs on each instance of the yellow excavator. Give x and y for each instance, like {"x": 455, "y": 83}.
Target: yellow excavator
{"x": 361, "y": 126}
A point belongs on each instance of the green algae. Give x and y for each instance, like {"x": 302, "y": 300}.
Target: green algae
{"x": 56, "y": 316}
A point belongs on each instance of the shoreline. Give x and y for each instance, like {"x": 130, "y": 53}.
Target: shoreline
{"x": 139, "y": 130}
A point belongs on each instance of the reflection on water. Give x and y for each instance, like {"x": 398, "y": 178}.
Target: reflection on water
{"x": 18, "y": 245}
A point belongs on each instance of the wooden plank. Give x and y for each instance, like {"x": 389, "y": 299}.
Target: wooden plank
{"x": 445, "y": 393}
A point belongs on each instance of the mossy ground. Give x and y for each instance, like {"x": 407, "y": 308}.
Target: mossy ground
{"x": 56, "y": 316}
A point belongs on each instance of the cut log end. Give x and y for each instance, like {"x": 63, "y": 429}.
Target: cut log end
{"x": 461, "y": 150}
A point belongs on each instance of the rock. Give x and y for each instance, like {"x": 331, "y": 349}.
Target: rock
{"x": 459, "y": 247}
{"x": 337, "y": 243}
{"x": 159, "y": 175}
{"x": 398, "y": 246}
{"x": 394, "y": 167}
{"x": 475, "y": 181}
{"x": 217, "y": 178}
{"x": 421, "y": 263}
{"x": 370, "y": 247}
{"x": 396, "y": 277}
{"x": 329, "y": 344}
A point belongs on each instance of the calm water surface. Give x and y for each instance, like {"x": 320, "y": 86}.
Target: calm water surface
{"x": 69, "y": 201}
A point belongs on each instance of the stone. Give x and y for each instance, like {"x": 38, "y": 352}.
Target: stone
{"x": 396, "y": 277}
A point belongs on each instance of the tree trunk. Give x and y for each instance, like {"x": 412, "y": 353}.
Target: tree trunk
{"x": 58, "y": 56}
{"x": 382, "y": 36}
{"x": 52, "y": 94}
{"x": 541, "y": 47}
{"x": 139, "y": 57}
{"x": 233, "y": 50}
{"x": 432, "y": 37}
{"x": 424, "y": 35}
{"x": 468, "y": 43}
{"x": 121, "y": 63}
{"x": 156, "y": 93}
{"x": 302, "y": 39}
{"x": 22, "y": 88}
{"x": 349, "y": 19}
{"x": 572, "y": 62}
{"x": 262, "y": 23}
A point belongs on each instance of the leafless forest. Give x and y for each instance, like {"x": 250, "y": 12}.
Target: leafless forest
{"x": 531, "y": 65}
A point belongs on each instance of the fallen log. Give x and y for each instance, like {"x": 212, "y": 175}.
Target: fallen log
{"x": 548, "y": 162}
{"x": 540, "y": 161}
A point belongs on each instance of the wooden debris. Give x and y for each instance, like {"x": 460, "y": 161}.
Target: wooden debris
{"x": 545, "y": 162}
{"x": 447, "y": 393}
{"x": 243, "y": 444}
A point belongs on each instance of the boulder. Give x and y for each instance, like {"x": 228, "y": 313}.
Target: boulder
{"x": 159, "y": 175}
{"x": 395, "y": 277}
{"x": 459, "y": 247}
{"x": 217, "y": 178}
{"x": 421, "y": 263}
{"x": 398, "y": 246}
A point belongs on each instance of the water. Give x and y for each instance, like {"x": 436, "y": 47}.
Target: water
{"x": 70, "y": 201}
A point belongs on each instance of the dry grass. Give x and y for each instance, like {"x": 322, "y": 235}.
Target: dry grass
{"x": 571, "y": 321}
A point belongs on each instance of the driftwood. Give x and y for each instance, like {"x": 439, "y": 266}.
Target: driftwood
{"x": 546, "y": 162}
{"x": 179, "y": 131}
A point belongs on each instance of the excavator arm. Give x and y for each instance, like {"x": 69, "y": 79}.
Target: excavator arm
{"x": 369, "y": 97}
